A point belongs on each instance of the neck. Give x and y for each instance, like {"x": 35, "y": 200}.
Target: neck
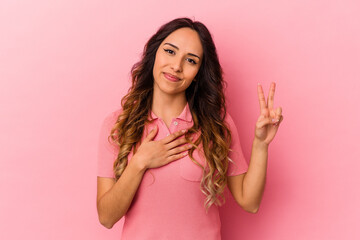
{"x": 168, "y": 106}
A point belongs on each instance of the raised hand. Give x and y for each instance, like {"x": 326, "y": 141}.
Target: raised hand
{"x": 154, "y": 154}
{"x": 270, "y": 118}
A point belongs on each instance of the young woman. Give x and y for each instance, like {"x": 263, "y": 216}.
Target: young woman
{"x": 167, "y": 155}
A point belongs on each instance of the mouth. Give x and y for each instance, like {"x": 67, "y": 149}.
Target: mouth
{"x": 171, "y": 77}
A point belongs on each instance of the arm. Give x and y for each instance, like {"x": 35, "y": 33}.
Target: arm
{"x": 114, "y": 199}
{"x": 247, "y": 189}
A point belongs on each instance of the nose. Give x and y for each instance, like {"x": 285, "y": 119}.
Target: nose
{"x": 177, "y": 64}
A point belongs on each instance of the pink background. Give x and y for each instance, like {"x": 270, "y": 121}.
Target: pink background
{"x": 65, "y": 64}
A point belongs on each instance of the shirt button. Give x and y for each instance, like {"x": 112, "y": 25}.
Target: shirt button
{"x": 167, "y": 134}
{"x": 175, "y": 123}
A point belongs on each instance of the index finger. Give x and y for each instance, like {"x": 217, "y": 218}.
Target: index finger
{"x": 173, "y": 136}
{"x": 261, "y": 96}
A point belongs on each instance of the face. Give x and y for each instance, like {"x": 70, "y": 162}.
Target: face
{"x": 177, "y": 61}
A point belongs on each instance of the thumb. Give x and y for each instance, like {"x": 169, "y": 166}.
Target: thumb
{"x": 151, "y": 134}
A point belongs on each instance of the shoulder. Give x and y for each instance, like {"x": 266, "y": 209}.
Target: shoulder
{"x": 229, "y": 121}
{"x": 109, "y": 120}
{"x": 112, "y": 116}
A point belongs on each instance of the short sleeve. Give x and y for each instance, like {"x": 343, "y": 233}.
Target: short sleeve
{"x": 238, "y": 163}
{"x": 107, "y": 151}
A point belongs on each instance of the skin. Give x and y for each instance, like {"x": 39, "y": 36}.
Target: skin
{"x": 269, "y": 119}
{"x": 114, "y": 198}
{"x": 175, "y": 56}
{"x": 248, "y": 188}
{"x": 169, "y": 97}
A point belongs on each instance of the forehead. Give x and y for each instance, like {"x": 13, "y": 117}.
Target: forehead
{"x": 186, "y": 40}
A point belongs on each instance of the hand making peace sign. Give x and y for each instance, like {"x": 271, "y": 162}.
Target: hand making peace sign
{"x": 270, "y": 119}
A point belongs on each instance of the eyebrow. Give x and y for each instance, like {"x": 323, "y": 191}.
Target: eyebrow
{"x": 191, "y": 54}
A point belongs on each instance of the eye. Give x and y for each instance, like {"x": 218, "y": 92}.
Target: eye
{"x": 169, "y": 51}
{"x": 172, "y": 52}
{"x": 192, "y": 61}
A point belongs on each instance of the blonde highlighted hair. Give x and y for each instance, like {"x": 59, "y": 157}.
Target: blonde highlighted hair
{"x": 206, "y": 102}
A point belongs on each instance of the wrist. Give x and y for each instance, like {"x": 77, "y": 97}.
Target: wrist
{"x": 138, "y": 165}
{"x": 260, "y": 144}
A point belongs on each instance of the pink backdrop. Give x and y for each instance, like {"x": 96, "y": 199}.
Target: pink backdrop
{"x": 65, "y": 64}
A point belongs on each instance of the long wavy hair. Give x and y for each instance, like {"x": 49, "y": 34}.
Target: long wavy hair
{"x": 206, "y": 102}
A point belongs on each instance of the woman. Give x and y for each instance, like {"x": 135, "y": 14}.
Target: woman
{"x": 163, "y": 180}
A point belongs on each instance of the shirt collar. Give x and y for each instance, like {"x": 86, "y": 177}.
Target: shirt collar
{"x": 184, "y": 115}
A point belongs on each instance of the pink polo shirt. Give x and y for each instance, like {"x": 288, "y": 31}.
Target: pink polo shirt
{"x": 169, "y": 202}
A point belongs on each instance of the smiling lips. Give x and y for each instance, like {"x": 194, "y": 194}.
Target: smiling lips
{"x": 171, "y": 77}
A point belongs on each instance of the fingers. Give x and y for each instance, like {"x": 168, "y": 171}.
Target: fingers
{"x": 270, "y": 101}
{"x": 173, "y": 136}
{"x": 271, "y": 96}
{"x": 179, "y": 152}
{"x": 280, "y": 117}
{"x": 278, "y": 112}
{"x": 261, "y": 97}
{"x": 151, "y": 134}
{"x": 175, "y": 157}
{"x": 175, "y": 143}
{"x": 275, "y": 113}
{"x": 176, "y": 147}
{"x": 263, "y": 121}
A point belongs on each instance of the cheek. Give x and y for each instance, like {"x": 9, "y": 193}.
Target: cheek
{"x": 160, "y": 60}
{"x": 193, "y": 73}
{"x": 157, "y": 65}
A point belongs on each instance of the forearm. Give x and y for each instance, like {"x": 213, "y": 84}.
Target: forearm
{"x": 254, "y": 179}
{"x": 116, "y": 202}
